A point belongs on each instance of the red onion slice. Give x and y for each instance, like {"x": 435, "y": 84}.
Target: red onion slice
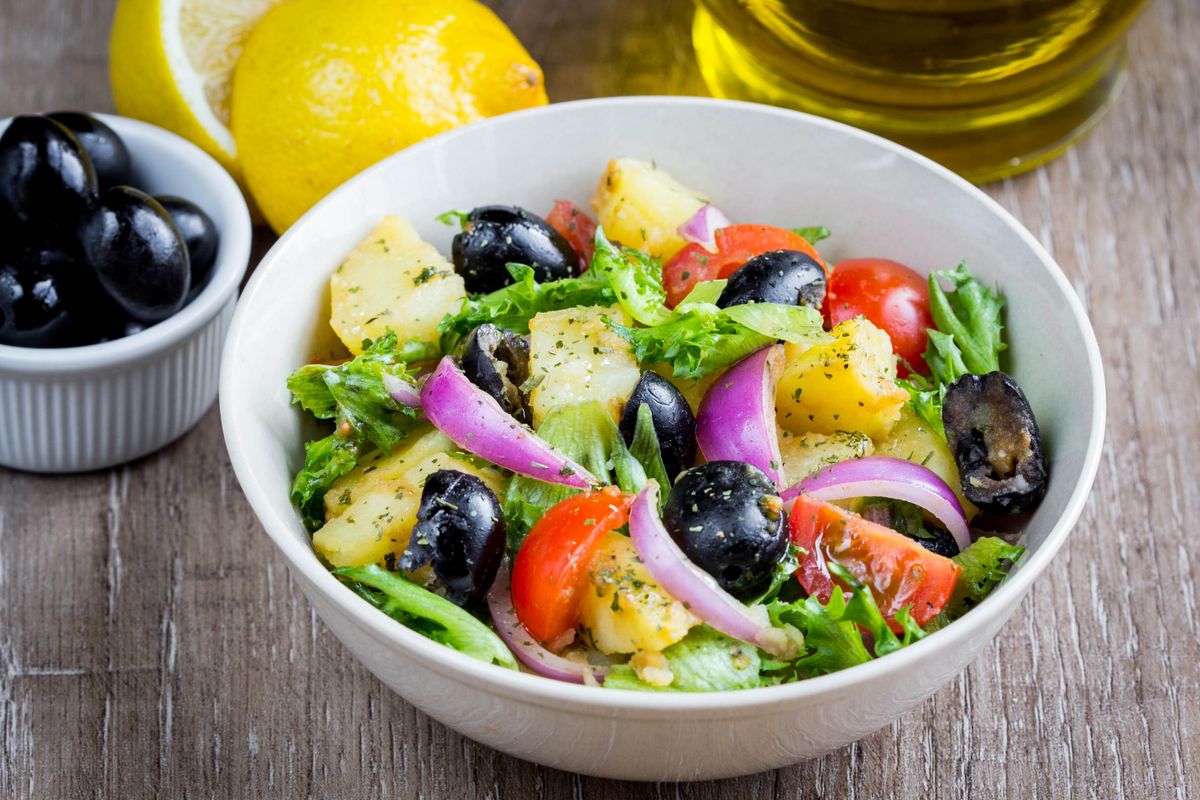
{"x": 475, "y": 422}
{"x": 736, "y": 420}
{"x": 692, "y": 586}
{"x": 525, "y": 647}
{"x": 895, "y": 479}
{"x": 403, "y": 392}
{"x": 701, "y": 227}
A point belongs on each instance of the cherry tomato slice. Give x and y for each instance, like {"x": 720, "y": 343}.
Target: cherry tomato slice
{"x": 576, "y": 227}
{"x": 736, "y": 244}
{"x": 892, "y": 296}
{"x": 551, "y": 567}
{"x": 898, "y": 570}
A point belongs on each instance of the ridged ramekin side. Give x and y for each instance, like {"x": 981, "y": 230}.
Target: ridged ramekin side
{"x": 87, "y": 419}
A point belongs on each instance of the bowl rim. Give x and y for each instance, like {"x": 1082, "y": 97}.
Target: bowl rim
{"x": 226, "y": 275}
{"x": 548, "y": 693}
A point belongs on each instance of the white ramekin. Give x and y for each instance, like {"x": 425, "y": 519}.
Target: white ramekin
{"x": 82, "y": 408}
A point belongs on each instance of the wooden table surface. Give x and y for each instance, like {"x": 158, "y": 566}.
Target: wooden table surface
{"x": 153, "y": 645}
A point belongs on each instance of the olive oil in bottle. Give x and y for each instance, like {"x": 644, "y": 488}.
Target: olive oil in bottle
{"x": 987, "y": 87}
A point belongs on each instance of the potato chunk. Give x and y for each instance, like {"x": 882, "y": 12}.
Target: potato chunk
{"x": 847, "y": 384}
{"x": 640, "y": 205}
{"x": 378, "y": 467}
{"x": 377, "y": 524}
{"x": 913, "y": 440}
{"x": 806, "y": 453}
{"x": 396, "y": 281}
{"x": 371, "y": 511}
{"x": 574, "y": 357}
{"x": 623, "y": 609}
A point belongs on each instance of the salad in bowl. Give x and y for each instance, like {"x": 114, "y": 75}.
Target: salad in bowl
{"x": 644, "y": 446}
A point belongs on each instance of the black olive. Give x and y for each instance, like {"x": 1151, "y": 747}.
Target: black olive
{"x": 939, "y": 541}
{"x": 932, "y": 537}
{"x": 996, "y": 444}
{"x": 494, "y": 236}
{"x": 34, "y": 307}
{"x": 110, "y": 157}
{"x": 96, "y": 315}
{"x": 788, "y": 277}
{"x": 10, "y": 232}
{"x": 131, "y": 327}
{"x": 728, "y": 519}
{"x": 497, "y": 361}
{"x": 674, "y": 423}
{"x": 460, "y": 529}
{"x": 199, "y": 234}
{"x": 137, "y": 252}
{"x": 46, "y": 178}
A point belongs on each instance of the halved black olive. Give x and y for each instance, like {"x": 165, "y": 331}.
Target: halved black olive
{"x": 494, "y": 236}
{"x": 674, "y": 423}
{"x": 34, "y": 307}
{"x": 728, "y": 519}
{"x": 137, "y": 252}
{"x": 788, "y": 277}
{"x": 110, "y": 157}
{"x": 460, "y": 529}
{"x": 199, "y": 234}
{"x": 996, "y": 444}
{"x": 497, "y": 361}
{"x": 46, "y": 177}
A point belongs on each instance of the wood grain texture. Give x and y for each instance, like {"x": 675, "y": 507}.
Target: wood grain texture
{"x": 153, "y": 645}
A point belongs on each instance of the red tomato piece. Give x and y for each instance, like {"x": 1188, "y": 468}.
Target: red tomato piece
{"x": 576, "y": 227}
{"x": 736, "y": 244}
{"x": 892, "y": 296}
{"x": 898, "y": 570}
{"x": 551, "y": 567}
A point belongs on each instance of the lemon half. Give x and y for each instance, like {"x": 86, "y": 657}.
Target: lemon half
{"x": 171, "y": 64}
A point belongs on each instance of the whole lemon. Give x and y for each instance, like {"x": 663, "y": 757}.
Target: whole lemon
{"x": 323, "y": 90}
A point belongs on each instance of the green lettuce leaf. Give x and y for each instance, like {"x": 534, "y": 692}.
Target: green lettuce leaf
{"x": 832, "y": 637}
{"x": 325, "y": 460}
{"x": 703, "y": 292}
{"x": 968, "y": 339}
{"x": 703, "y": 661}
{"x": 704, "y": 339}
{"x": 796, "y": 324}
{"x": 694, "y": 344}
{"x": 429, "y": 614}
{"x": 634, "y": 276}
{"x": 353, "y": 393}
{"x": 585, "y": 433}
{"x": 365, "y": 416}
{"x": 970, "y": 313}
{"x": 645, "y": 449}
{"x": 831, "y": 641}
{"x": 458, "y": 217}
{"x": 513, "y": 306}
{"x": 813, "y": 234}
{"x": 862, "y": 609}
{"x": 985, "y": 563}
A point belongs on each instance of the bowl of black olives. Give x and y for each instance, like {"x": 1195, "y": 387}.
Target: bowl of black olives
{"x": 122, "y": 247}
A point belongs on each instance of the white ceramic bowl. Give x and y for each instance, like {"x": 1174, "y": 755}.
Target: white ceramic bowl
{"x": 73, "y": 409}
{"x": 760, "y": 164}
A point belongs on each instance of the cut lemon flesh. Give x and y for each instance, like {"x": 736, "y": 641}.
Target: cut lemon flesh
{"x": 171, "y": 64}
